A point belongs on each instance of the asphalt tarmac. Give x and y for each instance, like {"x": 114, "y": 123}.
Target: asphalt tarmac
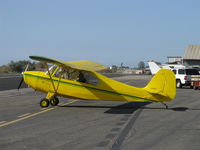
{"x": 10, "y": 82}
{"x": 99, "y": 125}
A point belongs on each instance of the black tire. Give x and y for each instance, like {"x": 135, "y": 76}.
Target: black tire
{"x": 54, "y": 101}
{"x": 178, "y": 84}
{"x": 196, "y": 88}
{"x": 44, "y": 102}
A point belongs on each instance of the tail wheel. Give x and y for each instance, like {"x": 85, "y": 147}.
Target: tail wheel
{"x": 54, "y": 101}
{"x": 44, "y": 103}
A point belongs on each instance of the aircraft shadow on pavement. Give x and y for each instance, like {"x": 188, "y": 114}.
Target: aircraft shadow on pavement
{"x": 183, "y": 108}
{"x": 127, "y": 108}
{"x": 179, "y": 108}
{"x": 173, "y": 108}
{"x": 130, "y": 107}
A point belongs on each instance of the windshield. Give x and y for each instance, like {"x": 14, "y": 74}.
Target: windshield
{"x": 52, "y": 69}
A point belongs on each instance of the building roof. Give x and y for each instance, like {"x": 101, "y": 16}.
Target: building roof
{"x": 174, "y": 57}
{"x": 192, "y": 52}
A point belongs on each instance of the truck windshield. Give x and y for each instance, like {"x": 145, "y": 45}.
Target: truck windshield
{"x": 192, "y": 72}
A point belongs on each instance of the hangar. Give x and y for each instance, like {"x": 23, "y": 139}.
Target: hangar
{"x": 174, "y": 59}
{"x": 191, "y": 56}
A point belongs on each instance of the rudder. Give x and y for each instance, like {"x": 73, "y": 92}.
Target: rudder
{"x": 164, "y": 84}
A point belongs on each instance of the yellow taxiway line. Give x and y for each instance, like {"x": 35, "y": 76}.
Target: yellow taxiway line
{"x": 32, "y": 115}
{"x": 24, "y": 115}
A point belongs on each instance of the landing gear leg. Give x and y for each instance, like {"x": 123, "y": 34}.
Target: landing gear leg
{"x": 165, "y": 105}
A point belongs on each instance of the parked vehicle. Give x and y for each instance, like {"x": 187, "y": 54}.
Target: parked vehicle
{"x": 195, "y": 81}
{"x": 183, "y": 77}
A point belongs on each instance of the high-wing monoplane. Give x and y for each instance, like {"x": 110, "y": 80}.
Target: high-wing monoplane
{"x": 81, "y": 80}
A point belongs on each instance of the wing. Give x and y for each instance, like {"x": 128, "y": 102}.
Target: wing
{"x": 79, "y": 65}
{"x": 88, "y": 65}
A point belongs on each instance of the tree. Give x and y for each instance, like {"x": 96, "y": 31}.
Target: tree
{"x": 5, "y": 69}
{"x": 19, "y": 66}
{"x": 141, "y": 65}
{"x": 39, "y": 66}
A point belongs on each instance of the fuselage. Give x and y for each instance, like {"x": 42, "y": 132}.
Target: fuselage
{"x": 104, "y": 89}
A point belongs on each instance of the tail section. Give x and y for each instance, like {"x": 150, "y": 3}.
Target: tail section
{"x": 163, "y": 84}
{"x": 153, "y": 67}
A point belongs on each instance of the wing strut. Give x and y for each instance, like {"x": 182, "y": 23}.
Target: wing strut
{"x": 59, "y": 80}
{"x": 51, "y": 78}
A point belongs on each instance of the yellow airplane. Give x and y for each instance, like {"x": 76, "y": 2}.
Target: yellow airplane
{"x": 80, "y": 80}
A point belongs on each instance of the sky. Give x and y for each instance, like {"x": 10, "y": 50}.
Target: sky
{"x": 105, "y": 31}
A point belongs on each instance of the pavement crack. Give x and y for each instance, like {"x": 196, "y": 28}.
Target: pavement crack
{"x": 118, "y": 141}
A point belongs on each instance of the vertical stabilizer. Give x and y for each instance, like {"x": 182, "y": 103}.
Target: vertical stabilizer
{"x": 154, "y": 68}
{"x": 163, "y": 84}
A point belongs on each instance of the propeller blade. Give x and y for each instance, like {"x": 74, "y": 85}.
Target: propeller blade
{"x": 22, "y": 80}
{"x": 27, "y": 66}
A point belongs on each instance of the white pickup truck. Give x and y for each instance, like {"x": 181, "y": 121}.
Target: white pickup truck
{"x": 183, "y": 76}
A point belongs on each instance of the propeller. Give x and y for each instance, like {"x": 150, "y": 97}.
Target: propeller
{"x": 22, "y": 79}
{"x": 20, "y": 84}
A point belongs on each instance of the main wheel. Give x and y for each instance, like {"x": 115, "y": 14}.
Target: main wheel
{"x": 178, "y": 84}
{"x": 44, "y": 102}
{"x": 54, "y": 101}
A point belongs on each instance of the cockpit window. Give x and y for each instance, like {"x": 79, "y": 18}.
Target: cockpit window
{"x": 52, "y": 69}
{"x": 58, "y": 73}
{"x": 90, "y": 78}
{"x": 75, "y": 75}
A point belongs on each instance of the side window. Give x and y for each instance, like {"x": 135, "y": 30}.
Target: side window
{"x": 57, "y": 73}
{"x": 80, "y": 76}
{"x": 174, "y": 71}
{"x": 62, "y": 73}
{"x": 181, "y": 71}
{"x": 88, "y": 78}
{"x": 73, "y": 74}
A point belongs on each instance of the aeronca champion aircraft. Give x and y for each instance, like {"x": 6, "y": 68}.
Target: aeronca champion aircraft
{"x": 80, "y": 80}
